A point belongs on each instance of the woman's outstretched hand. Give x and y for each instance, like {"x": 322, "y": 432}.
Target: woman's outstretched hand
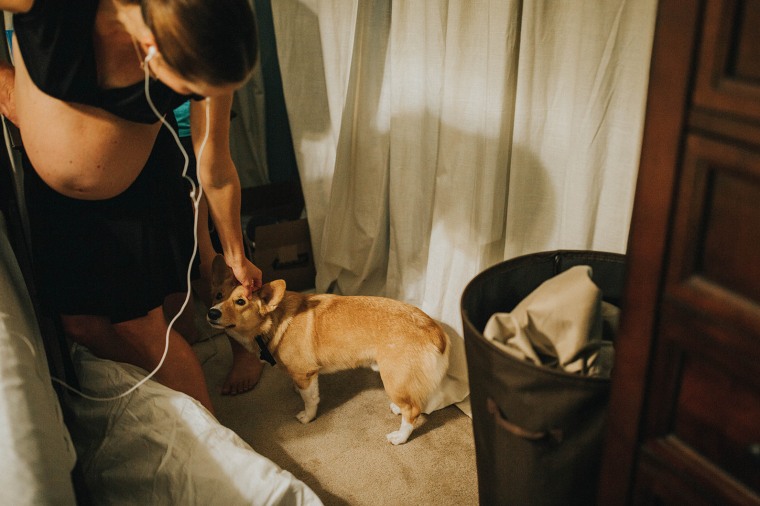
{"x": 248, "y": 275}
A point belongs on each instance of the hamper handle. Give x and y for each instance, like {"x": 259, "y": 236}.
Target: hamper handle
{"x": 518, "y": 431}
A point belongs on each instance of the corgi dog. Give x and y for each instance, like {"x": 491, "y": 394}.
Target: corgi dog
{"x": 309, "y": 334}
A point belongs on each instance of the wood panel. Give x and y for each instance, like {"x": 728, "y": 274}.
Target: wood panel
{"x": 727, "y": 78}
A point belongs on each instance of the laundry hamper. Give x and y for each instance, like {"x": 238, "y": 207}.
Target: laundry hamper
{"x": 538, "y": 431}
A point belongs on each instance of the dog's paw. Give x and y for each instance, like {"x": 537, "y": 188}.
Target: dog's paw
{"x": 397, "y": 437}
{"x": 304, "y": 417}
{"x": 395, "y": 409}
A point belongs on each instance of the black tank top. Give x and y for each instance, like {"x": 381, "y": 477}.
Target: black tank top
{"x": 56, "y": 40}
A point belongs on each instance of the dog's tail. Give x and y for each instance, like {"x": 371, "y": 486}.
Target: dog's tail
{"x": 434, "y": 366}
{"x": 443, "y": 343}
{"x": 444, "y": 349}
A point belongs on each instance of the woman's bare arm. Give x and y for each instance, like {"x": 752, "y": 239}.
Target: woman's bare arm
{"x": 16, "y": 5}
{"x": 221, "y": 184}
{"x": 7, "y": 95}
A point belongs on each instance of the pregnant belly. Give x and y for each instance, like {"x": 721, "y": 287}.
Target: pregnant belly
{"x": 80, "y": 151}
{"x": 89, "y": 158}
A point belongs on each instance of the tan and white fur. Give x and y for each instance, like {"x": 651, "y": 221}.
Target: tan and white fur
{"x": 309, "y": 334}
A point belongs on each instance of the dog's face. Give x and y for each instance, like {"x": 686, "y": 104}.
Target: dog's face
{"x": 243, "y": 317}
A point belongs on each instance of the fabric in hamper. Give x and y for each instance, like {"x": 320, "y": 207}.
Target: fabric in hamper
{"x": 560, "y": 324}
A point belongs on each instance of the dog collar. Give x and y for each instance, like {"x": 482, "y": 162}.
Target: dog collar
{"x": 265, "y": 354}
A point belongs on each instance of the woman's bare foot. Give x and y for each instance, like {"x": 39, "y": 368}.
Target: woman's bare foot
{"x": 245, "y": 372}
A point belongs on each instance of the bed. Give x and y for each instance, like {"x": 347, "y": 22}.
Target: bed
{"x": 154, "y": 446}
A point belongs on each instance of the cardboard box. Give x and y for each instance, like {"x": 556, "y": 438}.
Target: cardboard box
{"x": 283, "y": 251}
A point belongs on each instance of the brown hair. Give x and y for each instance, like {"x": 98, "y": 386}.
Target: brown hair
{"x": 214, "y": 41}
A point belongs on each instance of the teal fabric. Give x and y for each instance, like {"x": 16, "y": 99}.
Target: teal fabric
{"x": 182, "y": 113}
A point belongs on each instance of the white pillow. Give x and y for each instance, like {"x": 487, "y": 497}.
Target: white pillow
{"x": 159, "y": 446}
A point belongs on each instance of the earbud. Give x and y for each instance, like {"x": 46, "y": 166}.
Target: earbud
{"x": 151, "y": 54}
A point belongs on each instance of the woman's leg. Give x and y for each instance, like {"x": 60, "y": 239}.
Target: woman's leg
{"x": 141, "y": 342}
{"x": 245, "y": 372}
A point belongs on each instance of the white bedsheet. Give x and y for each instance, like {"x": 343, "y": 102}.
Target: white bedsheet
{"x": 158, "y": 446}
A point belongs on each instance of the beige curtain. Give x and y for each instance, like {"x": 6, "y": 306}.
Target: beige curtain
{"x": 435, "y": 138}
{"x": 247, "y": 139}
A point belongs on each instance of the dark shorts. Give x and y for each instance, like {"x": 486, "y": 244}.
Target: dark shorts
{"x": 118, "y": 257}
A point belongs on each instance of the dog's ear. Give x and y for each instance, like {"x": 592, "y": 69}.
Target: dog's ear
{"x": 271, "y": 294}
{"x": 220, "y": 272}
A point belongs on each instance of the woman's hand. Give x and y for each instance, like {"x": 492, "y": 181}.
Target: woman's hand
{"x": 7, "y": 93}
{"x": 247, "y": 275}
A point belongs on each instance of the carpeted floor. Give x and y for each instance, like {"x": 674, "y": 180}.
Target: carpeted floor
{"x": 343, "y": 454}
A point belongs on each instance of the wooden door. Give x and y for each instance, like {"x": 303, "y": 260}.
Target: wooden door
{"x": 684, "y": 422}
